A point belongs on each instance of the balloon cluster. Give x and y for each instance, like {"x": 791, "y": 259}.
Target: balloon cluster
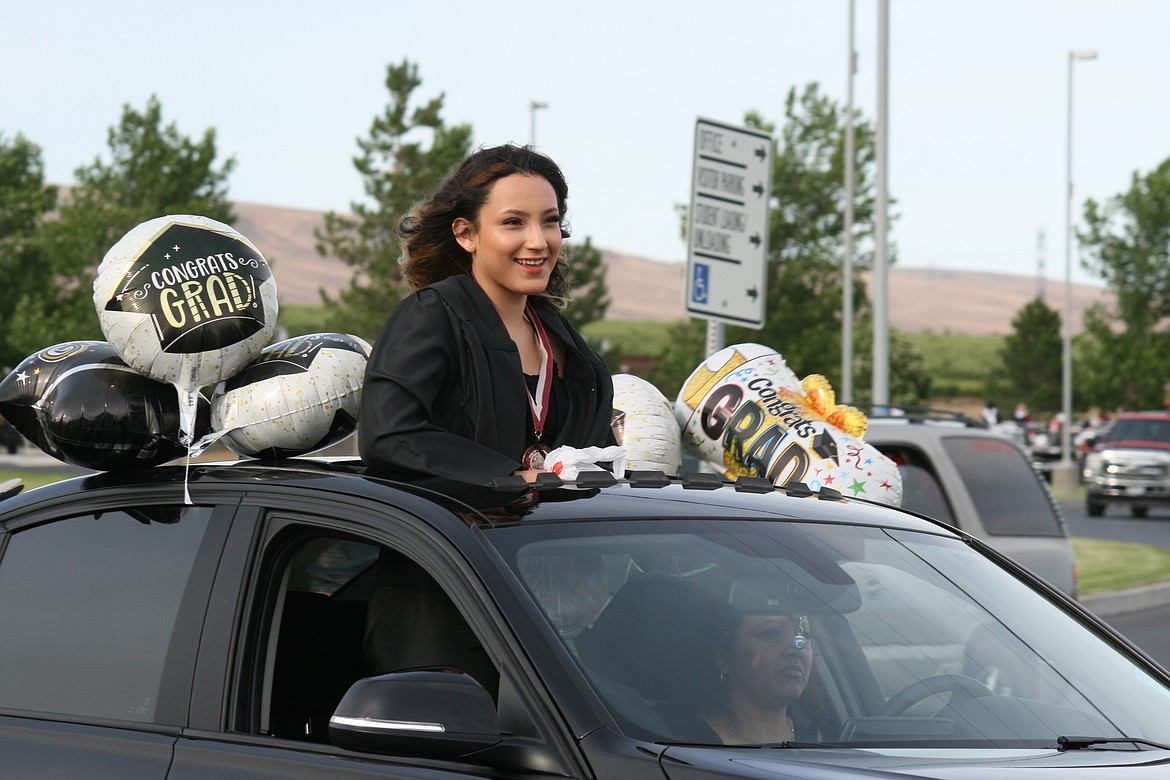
{"x": 185, "y": 303}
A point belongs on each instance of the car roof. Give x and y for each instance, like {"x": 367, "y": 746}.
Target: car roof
{"x": 593, "y": 496}
{"x": 1146, "y": 415}
{"x": 916, "y": 424}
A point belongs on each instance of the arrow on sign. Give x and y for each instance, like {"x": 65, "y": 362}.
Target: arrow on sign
{"x": 753, "y": 293}
{"x": 758, "y": 188}
{"x": 761, "y": 153}
{"x": 755, "y": 239}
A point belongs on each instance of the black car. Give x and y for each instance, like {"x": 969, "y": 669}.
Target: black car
{"x": 304, "y": 619}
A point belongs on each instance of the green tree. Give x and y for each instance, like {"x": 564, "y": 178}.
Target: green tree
{"x": 587, "y": 275}
{"x": 686, "y": 348}
{"x": 153, "y": 170}
{"x": 807, "y": 233}
{"x": 911, "y": 382}
{"x": 406, "y": 154}
{"x": 806, "y": 253}
{"x": 24, "y": 202}
{"x": 1113, "y": 370}
{"x": 1030, "y": 358}
{"x": 1127, "y": 243}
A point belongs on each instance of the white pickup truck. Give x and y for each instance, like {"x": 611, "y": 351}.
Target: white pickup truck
{"x": 1130, "y": 465}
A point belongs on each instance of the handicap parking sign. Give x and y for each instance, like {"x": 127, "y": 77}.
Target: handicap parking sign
{"x": 700, "y": 280}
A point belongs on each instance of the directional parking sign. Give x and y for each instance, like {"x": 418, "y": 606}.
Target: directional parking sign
{"x": 727, "y": 231}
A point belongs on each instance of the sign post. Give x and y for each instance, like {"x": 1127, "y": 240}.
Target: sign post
{"x": 727, "y": 230}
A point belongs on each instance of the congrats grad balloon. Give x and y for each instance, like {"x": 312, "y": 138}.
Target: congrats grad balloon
{"x": 301, "y": 395}
{"x": 186, "y": 300}
{"x": 79, "y": 402}
{"x": 744, "y": 409}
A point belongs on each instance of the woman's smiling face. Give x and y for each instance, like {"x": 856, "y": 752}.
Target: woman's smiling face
{"x": 517, "y": 238}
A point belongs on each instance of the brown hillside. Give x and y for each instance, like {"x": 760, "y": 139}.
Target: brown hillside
{"x": 920, "y": 299}
{"x": 974, "y": 302}
{"x": 285, "y": 237}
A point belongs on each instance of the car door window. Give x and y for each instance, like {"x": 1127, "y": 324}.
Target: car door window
{"x": 92, "y": 609}
{"x": 921, "y": 491}
{"x": 341, "y": 609}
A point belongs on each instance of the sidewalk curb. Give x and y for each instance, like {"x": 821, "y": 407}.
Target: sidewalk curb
{"x": 1129, "y": 600}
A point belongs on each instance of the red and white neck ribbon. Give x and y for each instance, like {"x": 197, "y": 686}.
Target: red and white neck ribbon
{"x": 538, "y": 404}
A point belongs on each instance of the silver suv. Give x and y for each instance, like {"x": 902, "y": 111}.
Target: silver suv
{"x": 955, "y": 470}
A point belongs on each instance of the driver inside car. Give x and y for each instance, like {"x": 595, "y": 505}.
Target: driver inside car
{"x": 764, "y": 668}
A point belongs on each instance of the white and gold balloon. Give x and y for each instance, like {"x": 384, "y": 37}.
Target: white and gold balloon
{"x": 301, "y": 395}
{"x": 650, "y": 434}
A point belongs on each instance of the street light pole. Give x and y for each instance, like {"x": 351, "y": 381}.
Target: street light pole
{"x": 1067, "y": 475}
{"x": 881, "y": 296}
{"x": 533, "y": 107}
{"x": 847, "y": 262}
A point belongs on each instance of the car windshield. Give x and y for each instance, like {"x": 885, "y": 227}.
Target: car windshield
{"x": 761, "y": 632}
{"x": 1139, "y": 429}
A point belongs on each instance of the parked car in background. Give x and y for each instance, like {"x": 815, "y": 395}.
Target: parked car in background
{"x": 1129, "y": 464}
{"x": 304, "y": 619}
{"x": 1012, "y": 430}
{"x": 1044, "y": 447}
{"x": 956, "y": 470}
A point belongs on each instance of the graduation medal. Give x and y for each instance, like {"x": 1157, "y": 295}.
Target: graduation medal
{"x": 533, "y": 457}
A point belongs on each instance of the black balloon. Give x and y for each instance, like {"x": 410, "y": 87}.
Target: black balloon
{"x": 79, "y": 402}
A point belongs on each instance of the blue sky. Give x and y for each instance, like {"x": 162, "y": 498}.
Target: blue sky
{"x": 977, "y": 98}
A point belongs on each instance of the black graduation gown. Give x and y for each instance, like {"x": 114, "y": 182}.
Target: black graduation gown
{"x": 444, "y": 392}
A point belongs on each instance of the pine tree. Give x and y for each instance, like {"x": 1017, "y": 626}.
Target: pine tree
{"x": 407, "y": 153}
{"x": 1031, "y": 357}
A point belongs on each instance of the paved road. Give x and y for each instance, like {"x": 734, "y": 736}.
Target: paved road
{"x": 1149, "y": 627}
{"x": 1117, "y": 524}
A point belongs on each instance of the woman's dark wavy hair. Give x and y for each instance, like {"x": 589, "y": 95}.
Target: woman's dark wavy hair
{"x": 430, "y": 252}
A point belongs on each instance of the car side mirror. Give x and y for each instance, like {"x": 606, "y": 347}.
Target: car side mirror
{"x": 426, "y": 713}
